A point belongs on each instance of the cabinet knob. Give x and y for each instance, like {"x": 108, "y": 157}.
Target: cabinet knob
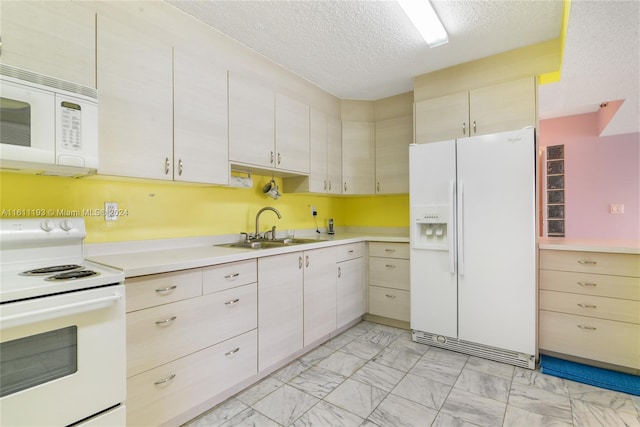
{"x": 300, "y": 262}
{"x": 279, "y": 158}
{"x": 474, "y": 127}
{"x": 167, "y": 165}
{"x": 271, "y": 161}
{"x": 587, "y": 262}
{"x": 231, "y": 276}
{"x": 464, "y": 128}
{"x": 339, "y": 271}
{"x": 390, "y": 296}
{"x": 345, "y": 186}
{"x": 586, "y": 305}
{"x": 232, "y": 352}
{"x": 378, "y": 186}
{"x": 588, "y": 284}
{"x": 390, "y": 266}
{"x": 306, "y": 263}
{"x": 329, "y": 185}
{"x": 325, "y": 185}
{"x": 587, "y": 328}
{"x": 232, "y": 302}
{"x": 165, "y": 380}
{"x": 180, "y": 167}
{"x": 167, "y": 289}
{"x": 166, "y": 321}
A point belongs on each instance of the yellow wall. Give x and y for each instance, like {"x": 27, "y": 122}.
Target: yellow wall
{"x": 156, "y": 210}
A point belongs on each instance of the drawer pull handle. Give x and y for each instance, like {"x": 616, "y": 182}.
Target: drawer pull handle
{"x": 232, "y": 352}
{"x": 389, "y": 250}
{"x": 586, "y": 262}
{"x": 588, "y": 284}
{"x": 587, "y": 305}
{"x": 339, "y": 272}
{"x": 231, "y": 276}
{"x": 390, "y": 266}
{"x": 165, "y": 380}
{"x": 167, "y": 289}
{"x": 351, "y": 251}
{"x": 390, "y": 296}
{"x": 165, "y": 321}
{"x": 587, "y": 328}
{"x": 232, "y": 302}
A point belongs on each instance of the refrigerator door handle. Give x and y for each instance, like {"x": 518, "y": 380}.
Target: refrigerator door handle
{"x": 461, "y": 229}
{"x": 450, "y": 231}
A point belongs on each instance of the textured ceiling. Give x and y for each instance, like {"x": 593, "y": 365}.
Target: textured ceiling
{"x": 369, "y": 49}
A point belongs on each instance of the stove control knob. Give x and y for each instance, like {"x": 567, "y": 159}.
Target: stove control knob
{"x": 48, "y": 225}
{"x": 66, "y": 225}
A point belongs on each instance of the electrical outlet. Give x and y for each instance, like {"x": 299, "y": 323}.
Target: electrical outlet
{"x": 314, "y": 212}
{"x": 110, "y": 211}
{"x": 616, "y": 208}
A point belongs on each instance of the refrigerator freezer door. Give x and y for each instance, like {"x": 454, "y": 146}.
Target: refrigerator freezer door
{"x": 433, "y": 281}
{"x": 496, "y": 240}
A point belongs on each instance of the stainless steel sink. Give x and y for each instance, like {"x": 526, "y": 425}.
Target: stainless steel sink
{"x": 267, "y": 244}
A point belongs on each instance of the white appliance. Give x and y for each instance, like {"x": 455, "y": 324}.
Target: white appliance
{"x": 47, "y": 125}
{"x": 473, "y": 245}
{"x": 62, "y": 328}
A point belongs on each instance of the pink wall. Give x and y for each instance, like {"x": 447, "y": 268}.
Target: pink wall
{"x": 598, "y": 171}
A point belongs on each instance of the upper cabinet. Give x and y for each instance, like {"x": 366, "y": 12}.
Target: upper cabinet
{"x": 325, "y": 166}
{"x": 251, "y": 122}
{"x": 393, "y": 137}
{"x": 358, "y": 157}
{"x": 506, "y": 106}
{"x": 292, "y": 135}
{"x": 52, "y": 38}
{"x": 267, "y": 130}
{"x": 163, "y": 111}
{"x": 200, "y": 150}
{"x": 134, "y": 85}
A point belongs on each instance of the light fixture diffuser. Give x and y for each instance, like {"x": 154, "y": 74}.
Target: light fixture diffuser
{"x": 425, "y": 19}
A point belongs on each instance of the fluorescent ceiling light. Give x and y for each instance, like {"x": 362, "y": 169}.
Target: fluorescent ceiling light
{"x": 425, "y": 19}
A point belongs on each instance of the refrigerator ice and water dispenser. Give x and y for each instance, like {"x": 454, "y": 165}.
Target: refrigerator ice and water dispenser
{"x": 431, "y": 227}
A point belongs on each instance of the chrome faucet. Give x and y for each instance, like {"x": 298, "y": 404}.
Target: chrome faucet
{"x": 268, "y": 208}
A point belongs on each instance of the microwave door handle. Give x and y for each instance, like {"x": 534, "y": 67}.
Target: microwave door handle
{"x": 59, "y": 311}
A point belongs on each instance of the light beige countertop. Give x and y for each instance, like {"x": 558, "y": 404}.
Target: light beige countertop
{"x": 590, "y": 245}
{"x": 138, "y": 259}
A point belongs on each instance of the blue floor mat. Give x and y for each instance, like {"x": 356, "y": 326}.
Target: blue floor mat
{"x": 599, "y": 377}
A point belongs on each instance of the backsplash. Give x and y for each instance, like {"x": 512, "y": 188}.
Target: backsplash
{"x": 156, "y": 210}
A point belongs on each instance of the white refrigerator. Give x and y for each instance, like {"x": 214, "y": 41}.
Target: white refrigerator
{"x": 473, "y": 245}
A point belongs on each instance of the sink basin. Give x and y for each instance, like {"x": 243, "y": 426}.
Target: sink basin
{"x": 266, "y": 244}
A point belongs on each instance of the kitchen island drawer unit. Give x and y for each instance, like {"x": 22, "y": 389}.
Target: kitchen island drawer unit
{"x": 590, "y": 307}
{"x": 225, "y": 276}
{"x": 156, "y": 396}
{"x": 591, "y": 262}
{"x": 390, "y": 303}
{"x": 586, "y": 305}
{"x": 150, "y": 291}
{"x": 161, "y": 334}
{"x": 591, "y": 284}
{"x": 616, "y": 343}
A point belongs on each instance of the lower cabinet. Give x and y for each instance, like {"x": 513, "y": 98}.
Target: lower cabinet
{"x": 319, "y": 294}
{"x": 191, "y": 335}
{"x": 389, "y": 280}
{"x": 350, "y": 294}
{"x": 280, "y": 312}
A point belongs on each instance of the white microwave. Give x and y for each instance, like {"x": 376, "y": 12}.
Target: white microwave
{"x": 47, "y": 125}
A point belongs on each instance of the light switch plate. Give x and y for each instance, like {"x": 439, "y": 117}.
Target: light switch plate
{"x": 616, "y": 208}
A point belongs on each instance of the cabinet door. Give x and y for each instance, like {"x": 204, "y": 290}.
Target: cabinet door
{"x": 318, "y": 181}
{"x": 52, "y": 38}
{"x": 334, "y": 156}
{"x": 251, "y": 122}
{"x": 393, "y": 137}
{"x": 280, "y": 296}
{"x": 135, "y": 92}
{"x": 442, "y": 118}
{"x": 319, "y": 294}
{"x": 292, "y": 134}
{"x": 200, "y": 151}
{"x": 358, "y": 158}
{"x": 350, "y": 291}
{"x": 503, "y": 107}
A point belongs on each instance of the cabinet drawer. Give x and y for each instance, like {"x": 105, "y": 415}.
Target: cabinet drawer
{"x": 591, "y": 306}
{"x": 156, "y": 396}
{"x": 350, "y": 251}
{"x": 389, "y": 272}
{"x": 157, "y": 289}
{"x": 391, "y": 303}
{"x": 591, "y": 284}
{"x": 389, "y": 250}
{"x": 225, "y": 276}
{"x": 596, "y": 339}
{"x": 591, "y": 262}
{"x": 164, "y": 333}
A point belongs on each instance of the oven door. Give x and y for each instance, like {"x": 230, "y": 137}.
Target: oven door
{"x": 27, "y": 123}
{"x": 62, "y": 357}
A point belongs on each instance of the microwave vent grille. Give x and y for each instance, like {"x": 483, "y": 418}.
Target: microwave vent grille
{"x": 52, "y": 82}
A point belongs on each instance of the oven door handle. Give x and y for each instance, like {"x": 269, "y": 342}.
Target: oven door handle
{"x": 59, "y": 311}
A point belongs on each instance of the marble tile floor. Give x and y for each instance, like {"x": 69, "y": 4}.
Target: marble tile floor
{"x": 374, "y": 375}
